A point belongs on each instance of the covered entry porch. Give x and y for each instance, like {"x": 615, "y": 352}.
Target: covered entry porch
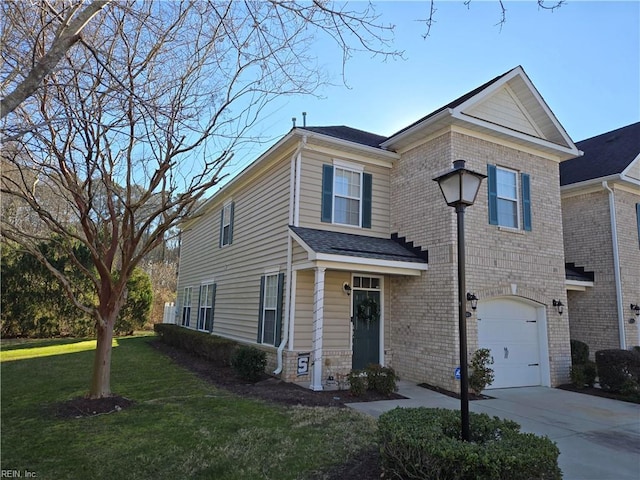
{"x": 340, "y": 309}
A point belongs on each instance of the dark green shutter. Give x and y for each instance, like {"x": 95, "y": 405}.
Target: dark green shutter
{"x": 213, "y": 306}
{"x": 492, "y": 183}
{"x": 367, "y": 186}
{"x": 231, "y": 223}
{"x": 327, "y": 193}
{"x": 278, "y": 326}
{"x": 526, "y": 201}
{"x": 199, "y": 309}
{"x": 261, "y": 311}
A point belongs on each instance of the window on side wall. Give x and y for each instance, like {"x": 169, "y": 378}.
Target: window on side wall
{"x": 270, "y": 314}
{"x": 206, "y": 307}
{"x": 186, "y": 306}
{"x": 226, "y": 224}
{"x": 346, "y": 195}
{"x": 509, "y": 198}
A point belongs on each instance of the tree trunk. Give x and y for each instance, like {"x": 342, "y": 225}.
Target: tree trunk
{"x": 101, "y": 379}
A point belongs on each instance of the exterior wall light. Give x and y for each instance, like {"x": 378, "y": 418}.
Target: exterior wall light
{"x": 460, "y": 188}
{"x": 471, "y": 297}
{"x": 346, "y": 288}
{"x": 559, "y": 306}
{"x": 636, "y": 309}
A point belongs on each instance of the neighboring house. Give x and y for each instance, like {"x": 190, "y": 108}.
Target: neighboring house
{"x": 601, "y": 220}
{"x": 335, "y": 248}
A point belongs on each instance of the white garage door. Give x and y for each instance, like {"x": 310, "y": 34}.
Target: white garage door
{"x": 510, "y": 329}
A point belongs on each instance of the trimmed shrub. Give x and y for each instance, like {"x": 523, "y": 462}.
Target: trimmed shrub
{"x": 618, "y": 370}
{"x": 249, "y": 363}
{"x": 215, "y": 349}
{"x": 381, "y": 379}
{"x": 481, "y": 374}
{"x": 579, "y": 352}
{"x": 357, "y": 382}
{"x": 583, "y": 374}
{"x": 419, "y": 443}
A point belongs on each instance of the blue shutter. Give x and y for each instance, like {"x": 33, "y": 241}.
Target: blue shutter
{"x": 261, "y": 312}
{"x": 526, "y": 201}
{"x": 221, "y": 227}
{"x": 213, "y": 306}
{"x": 492, "y": 183}
{"x": 279, "y": 309}
{"x": 638, "y": 219}
{"x": 367, "y": 186}
{"x": 200, "y": 319}
{"x": 327, "y": 193}
{"x": 231, "y": 223}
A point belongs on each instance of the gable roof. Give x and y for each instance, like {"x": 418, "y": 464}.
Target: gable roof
{"x": 350, "y": 134}
{"x": 507, "y": 106}
{"x": 348, "y": 244}
{"x": 604, "y": 155}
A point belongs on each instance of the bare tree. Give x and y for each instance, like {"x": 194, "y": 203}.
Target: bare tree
{"x": 133, "y": 129}
{"x": 43, "y": 49}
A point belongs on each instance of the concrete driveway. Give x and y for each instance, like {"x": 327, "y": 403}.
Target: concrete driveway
{"x": 598, "y": 438}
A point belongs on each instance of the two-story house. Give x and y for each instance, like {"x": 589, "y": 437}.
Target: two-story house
{"x": 600, "y": 194}
{"x": 335, "y": 249}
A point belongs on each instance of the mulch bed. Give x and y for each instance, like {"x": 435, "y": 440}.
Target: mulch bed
{"x": 448, "y": 393}
{"x": 598, "y": 392}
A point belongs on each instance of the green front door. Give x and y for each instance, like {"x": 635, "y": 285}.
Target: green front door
{"x": 366, "y": 328}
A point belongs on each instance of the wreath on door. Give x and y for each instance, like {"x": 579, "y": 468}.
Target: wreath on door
{"x": 368, "y": 311}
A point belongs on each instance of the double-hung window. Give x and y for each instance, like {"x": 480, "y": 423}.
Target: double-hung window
{"x": 346, "y": 195}
{"x": 186, "y": 306}
{"x": 509, "y": 198}
{"x": 270, "y": 314}
{"x": 226, "y": 224}
{"x": 205, "y": 310}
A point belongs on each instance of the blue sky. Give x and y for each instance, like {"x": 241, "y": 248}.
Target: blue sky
{"x": 584, "y": 58}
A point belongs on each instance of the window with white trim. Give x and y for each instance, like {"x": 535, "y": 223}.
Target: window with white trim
{"x": 270, "y": 314}
{"x": 509, "y": 198}
{"x": 226, "y": 224}
{"x": 507, "y": 194}
{"x": 186, "y": 306}
{"x": 347, "y": 196}
{"x": 205, "y": 310}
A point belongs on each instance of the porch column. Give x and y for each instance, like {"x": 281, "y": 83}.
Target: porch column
{"x": 318, "y": 320}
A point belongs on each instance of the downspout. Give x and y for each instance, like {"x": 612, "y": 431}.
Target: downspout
{"x": 294, "y": 197}
{"x": 616, "y": 263}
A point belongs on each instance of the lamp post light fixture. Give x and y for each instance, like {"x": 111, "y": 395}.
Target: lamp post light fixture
{"x": 460, "y": 188}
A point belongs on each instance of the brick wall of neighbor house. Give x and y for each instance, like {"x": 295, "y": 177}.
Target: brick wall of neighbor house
{"x": 587, "y": 241}
{"x": 425, "y": 337}
{"x": 629, "y": 248}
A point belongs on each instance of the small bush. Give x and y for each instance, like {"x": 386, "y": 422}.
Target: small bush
{"x": 249, "y": 363}
{"x": 215, "y": 349}
{"x": 618, "y": 370}
{"x": 583, "y": 374}
{"x": 579, "y": 352}
{"x": 381, "y": 379}
{"x": 425, "y": 443}
{"x": 481, "y": 375}
{"x": 357, "y": 382}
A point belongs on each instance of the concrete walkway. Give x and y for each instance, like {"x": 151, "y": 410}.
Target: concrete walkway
{"x": 598, "y": 438}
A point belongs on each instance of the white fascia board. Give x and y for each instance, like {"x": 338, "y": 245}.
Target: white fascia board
{"x": 416, "y": 128}
{"x": 596, "y": 183}
{"x": 341, "y": 143}
{"x": 369, "y": 262}
{"x": 302, "y": 243}
{"x": 566, "y": 152}
{"x": 625, "y": 172}
{"x": 359, "y": 267}
{"x": 577, "y": 285}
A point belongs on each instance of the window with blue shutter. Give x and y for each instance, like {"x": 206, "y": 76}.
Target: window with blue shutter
{"x": 270, "y": 313}
{"x": 509, "y": 198}
{"x": 346, "y": 196}
{"x": 226, "y": 224}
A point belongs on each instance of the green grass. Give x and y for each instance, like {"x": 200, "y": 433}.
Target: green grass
{"x": 180, "y": 426}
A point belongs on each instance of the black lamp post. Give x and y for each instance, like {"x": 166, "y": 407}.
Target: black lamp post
{"x": 460, "y": 188}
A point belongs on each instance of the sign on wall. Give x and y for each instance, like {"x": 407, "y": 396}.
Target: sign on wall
{"x": 303, "y": 363}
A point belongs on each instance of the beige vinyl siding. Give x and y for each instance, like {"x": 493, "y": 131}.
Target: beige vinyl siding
{"x": 259, "y": 245}
{"x": 502, "y": 109}
{"x": 311, "y": 196}
{"x": 634, "y": 171}
{"x": 303, "y": 320}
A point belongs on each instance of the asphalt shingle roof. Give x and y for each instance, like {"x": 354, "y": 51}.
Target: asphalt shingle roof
{"x": 351, "y": 134}
{"x": 606, "y": 154}
{"x": 336, "y": 243}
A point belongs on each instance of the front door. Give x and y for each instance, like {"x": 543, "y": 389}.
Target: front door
{"x": 366, "y": 328}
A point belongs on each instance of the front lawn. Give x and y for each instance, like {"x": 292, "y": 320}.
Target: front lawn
{"x": 179, "y": 427}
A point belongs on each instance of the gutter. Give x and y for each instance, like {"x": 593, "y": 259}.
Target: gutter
{"x": 616, "y": 264}
{"x": 294, "y": 198}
